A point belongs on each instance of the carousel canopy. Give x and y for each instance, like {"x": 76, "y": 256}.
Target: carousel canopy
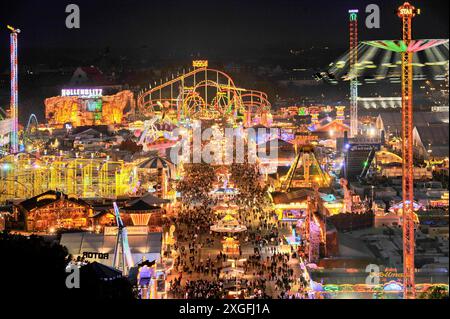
{"x": 223, "y": 170}
{"x": 156, "y": 162}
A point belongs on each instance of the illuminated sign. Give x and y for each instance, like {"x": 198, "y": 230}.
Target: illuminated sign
{"x": 83, "y": 93}
{"x": 131, "y": 230}
{"x": 365, "y": 147}
{"x": 408, "y": 10}
{"x": 51, "y": 197}
{"x": 87, "y": 254}
{"x": 200, "y": 63}
{"x": 353, "y": 15}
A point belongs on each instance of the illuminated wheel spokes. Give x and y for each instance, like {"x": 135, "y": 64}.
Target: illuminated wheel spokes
{"x": 217, "y": 105}
{"x": 222, "y": 104}
{"x": 193, "y": 106}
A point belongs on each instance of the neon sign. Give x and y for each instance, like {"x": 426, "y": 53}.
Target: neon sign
{"x": 353, "y": 15}
{"x": 88, "y": 254}
{"x": 83, "y": 93}
{"x": 407, "y": 10}
{"x": 200, "y": 63}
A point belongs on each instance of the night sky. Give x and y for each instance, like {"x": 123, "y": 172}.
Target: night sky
{"x": 140, "y": 34}
{"x": 196, "y": 25}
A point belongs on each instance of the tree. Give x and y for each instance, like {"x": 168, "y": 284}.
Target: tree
{"x": 35, "y": 267}
{"x": 32, "y": 266}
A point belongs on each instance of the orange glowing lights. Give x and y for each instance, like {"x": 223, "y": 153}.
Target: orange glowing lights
{"x": 200, "y": 63}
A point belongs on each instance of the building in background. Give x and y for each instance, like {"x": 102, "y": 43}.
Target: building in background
{"x": 79, "y": 107}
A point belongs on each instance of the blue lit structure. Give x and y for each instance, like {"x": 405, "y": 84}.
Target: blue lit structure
{"x": 14, "y": 139}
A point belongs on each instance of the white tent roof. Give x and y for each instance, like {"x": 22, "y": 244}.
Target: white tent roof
{"x": 148, "y": 245}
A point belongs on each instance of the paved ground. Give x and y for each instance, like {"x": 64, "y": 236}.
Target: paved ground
{"x": 247, "y": 249}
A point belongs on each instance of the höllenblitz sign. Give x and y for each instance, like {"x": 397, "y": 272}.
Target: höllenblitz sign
{"x": 83, "y": 93}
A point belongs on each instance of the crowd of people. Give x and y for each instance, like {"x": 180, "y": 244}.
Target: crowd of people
{"x": 197, "y": 183}
{"x": 197, "y": 289}
{"x": 202, "y": 270}
{"x": 247, "y": 179}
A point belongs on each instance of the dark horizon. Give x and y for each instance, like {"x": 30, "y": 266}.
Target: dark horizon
{"x": 234, "y": 29}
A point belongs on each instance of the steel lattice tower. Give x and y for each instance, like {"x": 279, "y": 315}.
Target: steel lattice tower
{"x": 14, "y": 139}
{"x": 353, "y": 71}
{"x": 406, "y": 12}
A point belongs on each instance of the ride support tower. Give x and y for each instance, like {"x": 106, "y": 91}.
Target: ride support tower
{"x": 14, "y": 137}
{"x": 406, "y": 13}
{"x": 353, "y": 59}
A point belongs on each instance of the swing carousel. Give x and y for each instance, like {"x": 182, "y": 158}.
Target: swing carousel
{"x": 228, "y": 224}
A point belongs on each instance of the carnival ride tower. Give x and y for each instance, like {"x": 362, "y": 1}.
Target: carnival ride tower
{"x": 305, "y": 172}
{"x": 407, "y": 12}
{"x": 123, "y": 259}
{"x": 353, "y": 59}
{"x": 14, "y": 139}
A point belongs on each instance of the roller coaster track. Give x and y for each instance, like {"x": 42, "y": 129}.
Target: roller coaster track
{"x": 31, "y": 119}
{"x": 204, "y": 93}
{"x": 78, "y": 176}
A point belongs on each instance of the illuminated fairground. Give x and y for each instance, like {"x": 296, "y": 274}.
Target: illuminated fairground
{"x": 194, "y": 187}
